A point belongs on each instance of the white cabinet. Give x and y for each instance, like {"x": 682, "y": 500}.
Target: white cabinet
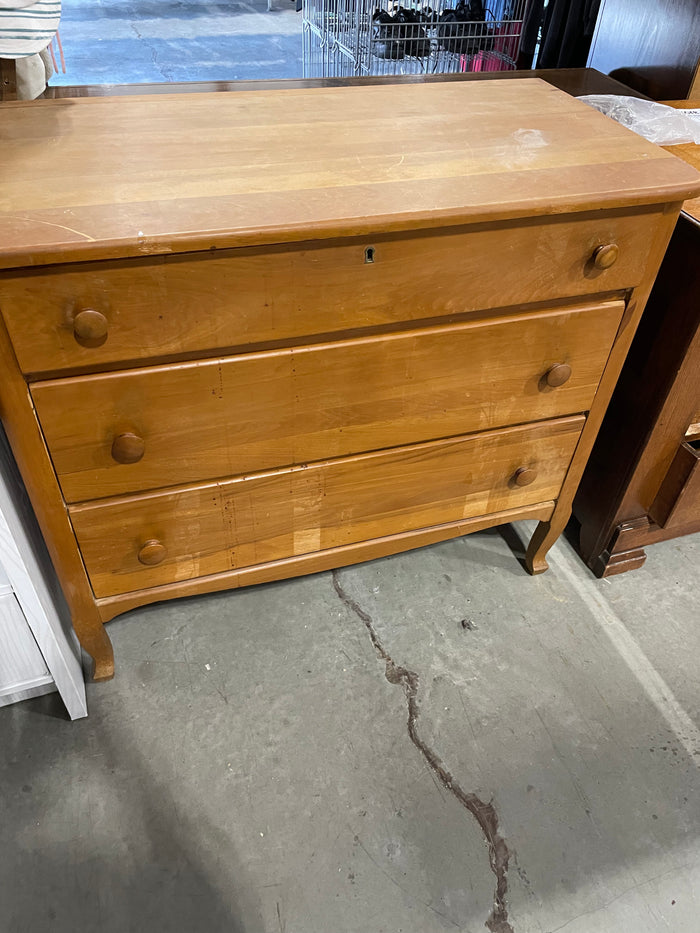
{"x": 38, "y": 650}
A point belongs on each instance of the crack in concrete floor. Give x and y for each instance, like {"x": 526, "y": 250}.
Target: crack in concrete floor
{"x": 154, "y": 53}
{"x": 484, "y": 813}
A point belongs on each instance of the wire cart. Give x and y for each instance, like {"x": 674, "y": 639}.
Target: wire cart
{"x": 352, "y": 38}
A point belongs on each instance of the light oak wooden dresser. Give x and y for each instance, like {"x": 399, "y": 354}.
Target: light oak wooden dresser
{"x": 254, "y": 335}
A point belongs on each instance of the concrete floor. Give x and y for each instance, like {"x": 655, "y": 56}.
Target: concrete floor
{"x": 136, "y": 41}
{"x": 430, "y": 742}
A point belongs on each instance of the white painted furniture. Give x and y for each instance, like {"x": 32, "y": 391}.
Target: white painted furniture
{"x": 38, "y": 650}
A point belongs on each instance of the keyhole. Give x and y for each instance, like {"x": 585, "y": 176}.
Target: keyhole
{"x": 369, "y": 254}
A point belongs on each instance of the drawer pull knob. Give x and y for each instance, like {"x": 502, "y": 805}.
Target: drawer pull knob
{"x": 557, "y": 375}
{"x": 606, "y": 256}
{"x": 152, "y": 553}
{"x": 90, "y": 325}
{"x": 524, "y": 476}
{"x": 128, "y": 448}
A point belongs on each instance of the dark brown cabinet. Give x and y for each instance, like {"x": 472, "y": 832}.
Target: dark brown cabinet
{"x": 651, "y": 45}
{"x": 642, "y": 483}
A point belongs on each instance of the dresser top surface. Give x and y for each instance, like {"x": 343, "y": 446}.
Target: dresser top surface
{"x": 108, "y": 177}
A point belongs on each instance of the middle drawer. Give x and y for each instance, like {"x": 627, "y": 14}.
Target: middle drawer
{"x": 167, "y": 425}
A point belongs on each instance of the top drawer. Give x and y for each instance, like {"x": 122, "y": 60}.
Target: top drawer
{"x": 189, "y": 305}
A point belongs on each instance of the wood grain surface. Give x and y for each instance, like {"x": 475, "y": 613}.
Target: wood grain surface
{"x": 217, "y": 527}
{"x": 653, "y": 45}
{"x": 225, "y": 417}
{"x": 120, "y": 177}
{"x": 678, "y": 501}
{"x": 188, "y": 304}
{"x": 318, "y": 561}
{"x": 547, "y": 532}
{"x": 655, "y": 405}
{"x": 36, "y": 469}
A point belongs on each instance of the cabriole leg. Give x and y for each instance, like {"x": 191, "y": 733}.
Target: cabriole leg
{"x": 542, "y": 539}
{"x": 95, "y": 640}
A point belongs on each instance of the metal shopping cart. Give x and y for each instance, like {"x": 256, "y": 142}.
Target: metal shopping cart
{"x": 351, "y": 38}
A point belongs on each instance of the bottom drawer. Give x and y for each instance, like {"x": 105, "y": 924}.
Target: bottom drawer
{"x": 149, "y": 540}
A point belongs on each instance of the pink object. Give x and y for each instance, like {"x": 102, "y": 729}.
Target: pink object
{"x": 60, "y": 52}
{"x": 508, "y": 44}
{"x": 53, "y": 57}
{"x": 489, "y": 61}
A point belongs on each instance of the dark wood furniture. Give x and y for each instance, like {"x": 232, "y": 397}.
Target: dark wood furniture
{"x": 642, "y": 483}
{"x": 651, "y": 45}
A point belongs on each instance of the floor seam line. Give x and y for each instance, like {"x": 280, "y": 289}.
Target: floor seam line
{"x": 639, "y": 665}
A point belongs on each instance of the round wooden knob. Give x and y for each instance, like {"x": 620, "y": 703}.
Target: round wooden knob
{"x": 524, "y": 476}
{"x": 606, "y": 256}
{"x": 128, "y": 448}
{"x": 90, "y": 325}
{"x": 152, "y": 552}
{"x": 557, "y": 375}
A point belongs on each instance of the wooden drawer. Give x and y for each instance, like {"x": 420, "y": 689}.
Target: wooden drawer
{"x": 198, "y": 421}
{"x": 678, "y": 500}
{"x": 197, "y": 303}
{"x": 217, "y": 527}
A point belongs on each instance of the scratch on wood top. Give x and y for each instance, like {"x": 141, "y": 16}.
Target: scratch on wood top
{"x": 46, "y": 223}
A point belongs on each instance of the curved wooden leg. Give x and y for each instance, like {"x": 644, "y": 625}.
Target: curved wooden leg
{"x": 95, "y": 641}
{"x": 542, "y": 539}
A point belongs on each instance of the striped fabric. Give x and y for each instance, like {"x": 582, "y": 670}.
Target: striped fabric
{"x": 27, "y": 27}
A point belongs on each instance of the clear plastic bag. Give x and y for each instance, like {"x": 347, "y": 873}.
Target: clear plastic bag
{"x": 658, "y": 123}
